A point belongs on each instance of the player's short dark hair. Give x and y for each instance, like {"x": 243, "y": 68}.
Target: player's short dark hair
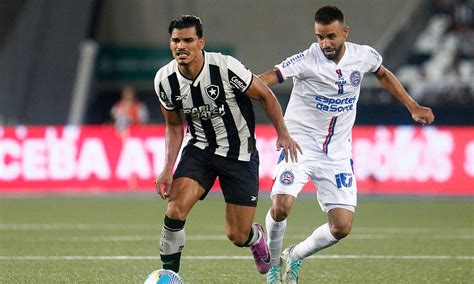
{"x": 328, "y": 14}
{"x": 186, "y": 21}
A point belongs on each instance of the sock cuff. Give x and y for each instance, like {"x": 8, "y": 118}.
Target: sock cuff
{"x": 173, "y": 225}
{"x": 275, "y": 225}
{"x": 254, "y": 236}
{"x": 327, "y": 233}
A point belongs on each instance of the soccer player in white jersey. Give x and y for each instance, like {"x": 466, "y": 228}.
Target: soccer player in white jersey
{"x": 213, "y": 93}
{"x": 320, "y": 116}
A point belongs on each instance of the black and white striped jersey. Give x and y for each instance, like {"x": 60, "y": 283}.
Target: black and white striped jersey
{"x": 220, "y": 117}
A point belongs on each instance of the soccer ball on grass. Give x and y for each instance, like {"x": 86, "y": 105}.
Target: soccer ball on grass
{"x": 164, "y": 276}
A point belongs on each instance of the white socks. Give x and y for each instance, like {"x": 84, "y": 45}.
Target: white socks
{"x": 321, "y": 238}
{"x": 275, "y": 233}
{"x": 172, "y": 241}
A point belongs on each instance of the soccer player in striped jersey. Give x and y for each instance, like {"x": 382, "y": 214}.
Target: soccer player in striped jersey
{"x": 320, "y": 116}
{"x": 213, "y": 93}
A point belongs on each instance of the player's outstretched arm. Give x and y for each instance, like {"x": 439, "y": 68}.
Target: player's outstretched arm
{"x": 173, "y": 140}
{"x": 389, "y": 82}
{"x": 260, "y": 92}
{"x": 270, "y": 77}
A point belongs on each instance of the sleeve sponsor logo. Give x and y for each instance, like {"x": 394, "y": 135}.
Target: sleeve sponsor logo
{"x": 238, "y": 83}
{"x": 376, "y": 55}
{"x": 164, "y": 99}
{"x": 292, "y": 60}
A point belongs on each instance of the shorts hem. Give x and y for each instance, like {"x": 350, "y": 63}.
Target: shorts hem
{"x": 329, "y": 206}
{"x": 241, "y": 203}
{"x": 282, "y": 193}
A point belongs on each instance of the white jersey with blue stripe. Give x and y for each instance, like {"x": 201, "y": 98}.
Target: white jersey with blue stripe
{"x": 322, "y": 108}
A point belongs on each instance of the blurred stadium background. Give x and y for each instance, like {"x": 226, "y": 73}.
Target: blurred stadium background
{"x": 64, "y": 63}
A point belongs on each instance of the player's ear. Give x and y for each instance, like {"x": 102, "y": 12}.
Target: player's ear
{"x": 346, "y": 31}
{"x": 201, "y": 43}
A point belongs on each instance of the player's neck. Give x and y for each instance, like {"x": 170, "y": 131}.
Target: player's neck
{"x": 192, "y": 70}
{"x": 340, "y": 55}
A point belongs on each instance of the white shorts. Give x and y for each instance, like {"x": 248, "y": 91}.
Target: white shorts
{"x": 334, "y": 179}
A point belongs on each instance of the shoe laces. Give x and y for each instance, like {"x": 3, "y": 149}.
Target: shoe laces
{"x": 295, "y": 268}
{"x": 274, "y": 273}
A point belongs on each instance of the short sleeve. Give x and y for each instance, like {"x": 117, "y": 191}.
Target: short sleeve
{"x": 163, "y": 96}
{"x": 292, "y": 66}
{"x": 239, "y": 76}
{"x": 373, "y": 59}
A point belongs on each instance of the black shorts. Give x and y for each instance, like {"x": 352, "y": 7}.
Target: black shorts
{"x": 238, "y": 179}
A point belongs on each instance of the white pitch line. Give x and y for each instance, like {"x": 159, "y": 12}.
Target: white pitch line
{"x": 237, "y": 257}
{"x": 157, "y": 226}
{"x": 190, "y": 237}
{"x": 81, "y": 227}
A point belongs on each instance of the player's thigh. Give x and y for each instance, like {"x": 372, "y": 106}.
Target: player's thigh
{"x": 195, "y": 165}
{"x": 239, "y": 180}
{"x": 289, "y": 178}
{"x": 184, "y": 193}
{"x": 336, "y": 184}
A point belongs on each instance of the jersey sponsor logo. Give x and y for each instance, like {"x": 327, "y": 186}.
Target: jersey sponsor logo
{"x": 292, "y": 60}
{"x": 212, "y": 91}
{"x": 355, "y": 78}
{"x": 182, "y": 97}
{"x": 204, "y": 112}
{"x": 340, "y": 81}
{"x": 287, "y": 178}
{"x": 238, "y": 83}
{"x": 165, "y": 100}
{"x": 343, "y": 180}
{"x": 335, "y": 105}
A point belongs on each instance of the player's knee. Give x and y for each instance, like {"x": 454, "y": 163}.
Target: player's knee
{"x": 237, "y": 238}
{"x": 175, "y": 212}
{"x": 279, "y": 213}
{"x": 340, "y": 231}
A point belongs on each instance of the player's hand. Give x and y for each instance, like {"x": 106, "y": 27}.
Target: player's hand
{"x": 422, "y": 115}
{"x": 163, "y": 184}
{"x": 288, "y": 145}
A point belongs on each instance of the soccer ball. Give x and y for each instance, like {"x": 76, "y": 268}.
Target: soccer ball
{"x": 164, "y": 276}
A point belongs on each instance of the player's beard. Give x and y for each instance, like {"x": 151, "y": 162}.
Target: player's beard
{"x": 336, "y": 53}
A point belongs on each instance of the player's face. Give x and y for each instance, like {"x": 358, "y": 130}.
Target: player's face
{"x": 185, "y": 45}
{"x": 331, "y": 38}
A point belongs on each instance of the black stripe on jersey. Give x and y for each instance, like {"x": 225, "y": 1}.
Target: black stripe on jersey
{"x": 229, "y": 123}
{"x": 164, "y": 99}
{"x": 178, "y": 103}
{"x": 246, "y": 108}
{"x": 206, "y": 124}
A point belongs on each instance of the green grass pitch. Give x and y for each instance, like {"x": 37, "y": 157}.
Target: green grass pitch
{"x": 116, "y": 240}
